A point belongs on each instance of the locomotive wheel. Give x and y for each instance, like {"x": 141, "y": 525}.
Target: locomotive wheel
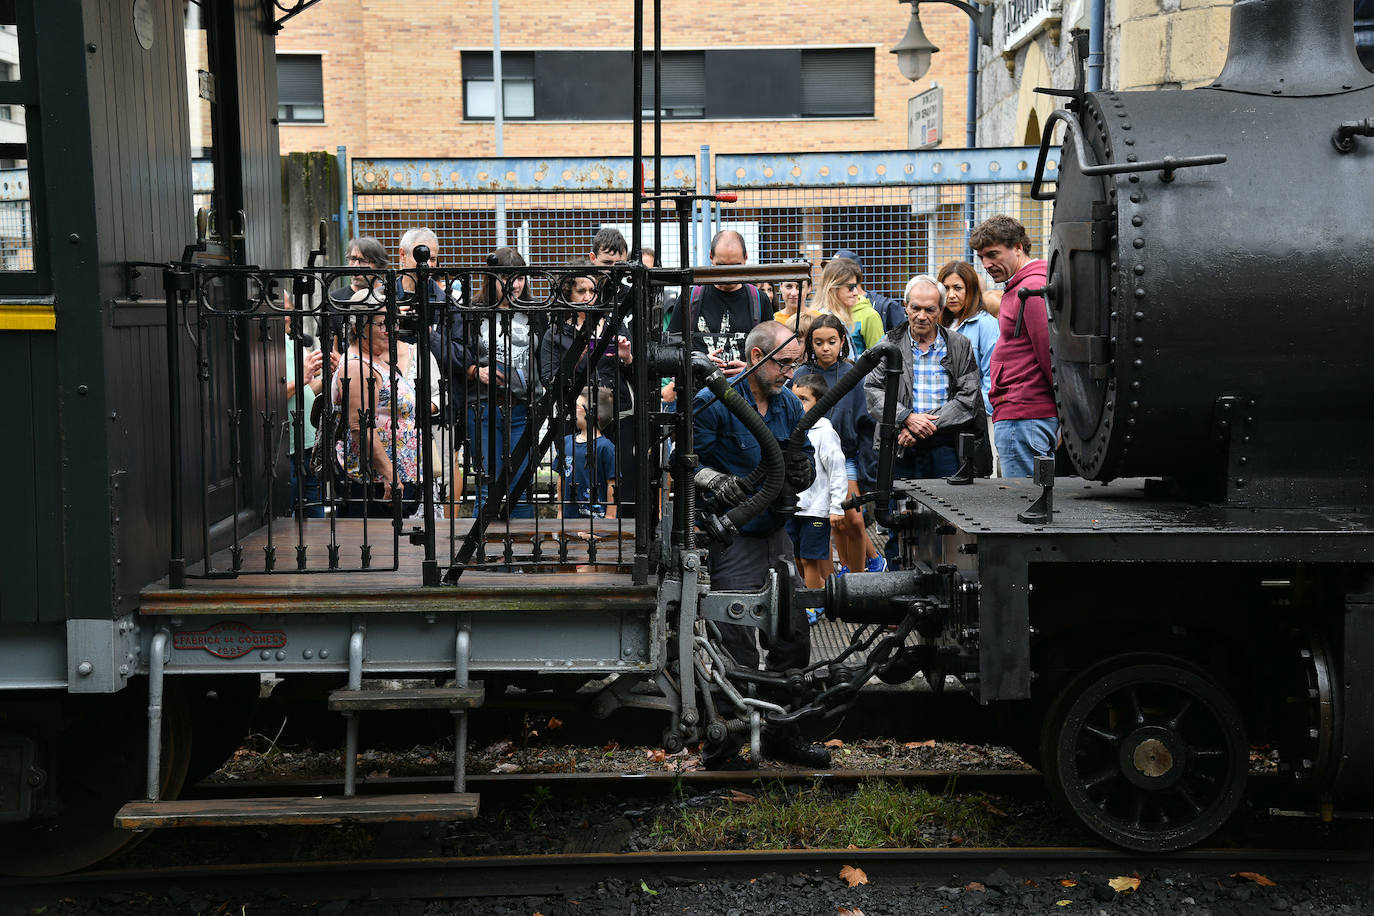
{"x": 101, "y": 757}
{"x": 1148, "y": 753}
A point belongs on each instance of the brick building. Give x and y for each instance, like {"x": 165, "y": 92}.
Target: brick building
{"x": 414, "y": 79}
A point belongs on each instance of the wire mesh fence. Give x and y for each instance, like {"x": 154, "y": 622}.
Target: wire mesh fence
{"x": 904, "y": 213}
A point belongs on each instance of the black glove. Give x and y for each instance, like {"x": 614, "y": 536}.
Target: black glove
{"x": 799, "y": 469}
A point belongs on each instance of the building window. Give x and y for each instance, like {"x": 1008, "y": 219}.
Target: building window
{"x": 760, "y": 83}
{"x": 836, "y": 82}
{"x": 517, "y": 86}
{"x": 684, "y": 84}
{"x": 300, "y": 89}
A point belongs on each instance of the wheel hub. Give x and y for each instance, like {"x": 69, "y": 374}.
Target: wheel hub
{"x": 1153, "y": 758}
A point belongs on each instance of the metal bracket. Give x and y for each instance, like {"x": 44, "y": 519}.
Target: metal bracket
{"x": 101, "y": 654}
{"x": 750, "y": 609}
{"x": 1041, "y": 512}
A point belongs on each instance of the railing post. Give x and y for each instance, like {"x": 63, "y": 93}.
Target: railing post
{"x": 430, "y": 566}
{"x": 176, "y": 286}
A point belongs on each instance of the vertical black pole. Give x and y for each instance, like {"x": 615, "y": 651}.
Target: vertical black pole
{"x": 175, "y": 284}
{"x": 658, "y": 132}
{"x": 637, "y": 172}
{"x": 430, "y": 568}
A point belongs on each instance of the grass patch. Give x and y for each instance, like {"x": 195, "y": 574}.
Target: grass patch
{"x": 875, "y": 815}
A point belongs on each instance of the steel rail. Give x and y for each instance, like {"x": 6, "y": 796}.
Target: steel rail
{"x": 536, "y": 875}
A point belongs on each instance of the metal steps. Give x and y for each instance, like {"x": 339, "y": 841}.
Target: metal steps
{"x": 306, "y": 811}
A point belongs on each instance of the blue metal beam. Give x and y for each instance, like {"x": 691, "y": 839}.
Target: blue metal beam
{"x": 609, "y": 173}
{"x": 882, "y": 167}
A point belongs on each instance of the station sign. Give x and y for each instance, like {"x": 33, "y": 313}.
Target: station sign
{"x": 925, "y": 118}
{"x": 1017, "y": 21}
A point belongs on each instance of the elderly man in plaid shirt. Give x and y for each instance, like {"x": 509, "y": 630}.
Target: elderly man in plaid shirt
{"x": 944, "y": 394}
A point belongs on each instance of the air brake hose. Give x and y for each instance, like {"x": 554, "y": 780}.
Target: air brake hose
{"x": 770, "y": 469}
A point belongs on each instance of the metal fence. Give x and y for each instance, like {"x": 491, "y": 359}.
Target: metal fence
{"x": 904, "y": 212}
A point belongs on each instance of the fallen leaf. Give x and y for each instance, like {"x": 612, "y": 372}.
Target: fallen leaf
{"x": 742, "y": 798}
{"x": 646, "y": 889}
{"x": 1062, "y": 902}
{"x": 855, "y": 876}
{"x": 506, "y": 768}
{"x": 1068, "y": 882}
{"x": 850, "y": 911}
{"x": 656, "y": 755}
{"x": 1256, "y": 877}
{"x": 500, "y": 747}
{"x": 930, "y": 743}
{"x": 834, "y": 742}
{"x": 1031, "y": 882}
{"x": 994, "y": 810}
{"x": 956, "y": 840}
{"x": 612, "y": 746}
{"x": 1124, "y": 885}
{"x": 555, "y": 722}
{"x": 975, "y": 886}
{"x": 428, "y": 761}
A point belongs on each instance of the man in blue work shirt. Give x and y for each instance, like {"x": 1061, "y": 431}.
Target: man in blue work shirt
{"x": 724, "y": 444}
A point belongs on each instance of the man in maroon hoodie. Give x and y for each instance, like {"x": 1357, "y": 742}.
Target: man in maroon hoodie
{"x": 1024, "y": 420}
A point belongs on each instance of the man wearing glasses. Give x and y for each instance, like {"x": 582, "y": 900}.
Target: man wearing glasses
{"x": 724, "y": 444}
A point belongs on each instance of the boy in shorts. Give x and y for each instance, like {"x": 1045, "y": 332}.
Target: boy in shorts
{"x": 819, "y": 506}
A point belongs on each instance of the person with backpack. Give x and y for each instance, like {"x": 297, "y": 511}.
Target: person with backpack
{"x": 719, "y": 317}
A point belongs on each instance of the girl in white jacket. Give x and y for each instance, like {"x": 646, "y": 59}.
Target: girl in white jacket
{"x": 819, "y": 506}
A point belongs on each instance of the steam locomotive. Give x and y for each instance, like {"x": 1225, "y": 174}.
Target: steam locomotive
{"x": 1204, "y": 586}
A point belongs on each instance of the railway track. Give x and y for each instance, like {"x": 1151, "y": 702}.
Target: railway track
{"x": 280, "y": 886}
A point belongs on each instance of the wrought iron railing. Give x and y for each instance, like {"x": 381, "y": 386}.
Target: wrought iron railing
{"x": 466, "y": 418}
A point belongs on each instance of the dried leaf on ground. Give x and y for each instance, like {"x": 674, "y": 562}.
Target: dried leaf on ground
{"x": 1068, "y": 882}
{"x": 612, "y": 745}
{"x": 507, "y": 768}
{"x": 656, "y": 755}
{"x": 1124, "y": 884}
{"x": 913, "y": 744}
{"x": 742, "y": 798}
{"x": 555, "y": 722}
{"x": 1063, "y": 902}
{"x": 1256, "y": 877}
{"x": 834, "y": 742}
{"x": 855, "y": 876}
{"x": 993, "y": 809}
{"x": 850, "y": 911}
{"x": 500, "y": 747}
{"x": 976, "y": 886}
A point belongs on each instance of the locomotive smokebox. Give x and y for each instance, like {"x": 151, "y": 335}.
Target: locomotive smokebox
{"x": 1208, "y": 321}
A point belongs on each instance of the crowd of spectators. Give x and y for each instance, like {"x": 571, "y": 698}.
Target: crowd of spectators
{"x": 971, "y": 367}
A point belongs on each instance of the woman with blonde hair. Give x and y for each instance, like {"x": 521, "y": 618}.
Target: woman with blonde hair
{"x": 966, "y": 312}
{"x": 840, "y": 293}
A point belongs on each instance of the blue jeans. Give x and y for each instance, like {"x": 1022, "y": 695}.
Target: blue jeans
{"x": 490, "y": 450}
{"x": 310, "y": 488}
{"x": 1019, "y": 442}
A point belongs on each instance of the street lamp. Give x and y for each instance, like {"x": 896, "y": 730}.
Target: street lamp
{"x": 915, "y": 49}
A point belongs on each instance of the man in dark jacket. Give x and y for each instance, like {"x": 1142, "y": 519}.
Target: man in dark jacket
{"x": 725, "y": 444}
{"x": 1024, "y": 417}
{"x": 943, "y": 393}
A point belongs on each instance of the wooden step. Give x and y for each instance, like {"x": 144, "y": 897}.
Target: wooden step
{"x": 407, "y": 698}
{"x": 241, "y": 812}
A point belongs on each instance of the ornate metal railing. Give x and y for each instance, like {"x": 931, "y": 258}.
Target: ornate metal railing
{"x": 463, "y": 418}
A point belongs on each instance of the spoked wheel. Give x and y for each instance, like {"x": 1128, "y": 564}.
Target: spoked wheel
{"x": 1149, "y": 754}
{"x": 99, "y": 764}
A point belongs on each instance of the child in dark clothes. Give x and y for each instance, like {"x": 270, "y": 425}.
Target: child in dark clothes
{"x": 827, "y": 349}
{"x": 587, "y": 470}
